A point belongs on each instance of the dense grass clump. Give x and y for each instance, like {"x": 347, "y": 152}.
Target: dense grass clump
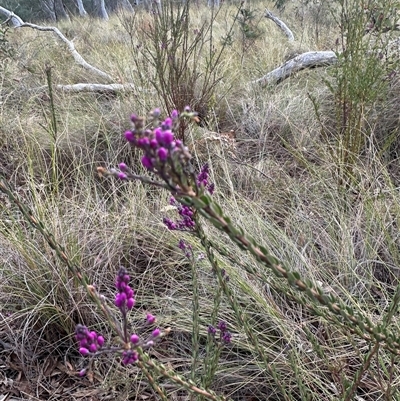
{"x": 272, "y": 273}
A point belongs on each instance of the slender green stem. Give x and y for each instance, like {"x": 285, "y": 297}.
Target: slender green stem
{"x": 213, "y": 212}
{"x": 241, "y": 316}
{"x": 152, "y": 381}
{"x": 177, "y": 379}
{"x": 359, "y": 374}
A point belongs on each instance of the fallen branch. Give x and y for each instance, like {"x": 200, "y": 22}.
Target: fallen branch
{"x": 19, "y": 23}
{"x": 98, "y": 88}
{"x": 300, "y": 62}
{"x": 71, "y": 47}
{"x": 281, "y": 25}
{"x": 15, "y": 20}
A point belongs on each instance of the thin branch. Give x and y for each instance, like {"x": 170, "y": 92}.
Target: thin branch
{"x": 99, "y": 88}
{"x": 281, "y": 25}
{"x": 19, "y": 23}
{"x": 71, "y": 47}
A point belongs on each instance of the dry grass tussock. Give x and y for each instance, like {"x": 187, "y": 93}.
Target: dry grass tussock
{"x": 280, "y": 183}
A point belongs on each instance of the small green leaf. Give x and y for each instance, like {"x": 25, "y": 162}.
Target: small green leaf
{"x": 291, "y": 278}
{"x": 198, "y": 204}
{"x": 216, "y": 209}
{"x": 216, "y": 223}
{"x": 297, "y": 276}
{"x": 206, "y": 199}
{"x": 186, "y": 200}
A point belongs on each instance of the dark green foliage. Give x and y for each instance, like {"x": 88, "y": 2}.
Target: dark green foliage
{"x": 29, "y": 11}
{"x": 250, "y": 30}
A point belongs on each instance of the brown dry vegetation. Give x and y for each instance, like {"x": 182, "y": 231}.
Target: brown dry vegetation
{"x": 280, "y": 183}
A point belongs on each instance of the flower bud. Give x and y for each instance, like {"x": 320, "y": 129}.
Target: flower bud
{"x": 150, "y": 318}
{"x": 156, "y": 333}
{"x": 135, "y": 339}
{"x": 129, "y": 136}
{"x": 130, "y": 303}
{"x": 100, "y": 341}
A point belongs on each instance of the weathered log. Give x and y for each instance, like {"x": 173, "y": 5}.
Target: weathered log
{"x": 296, "y": 64}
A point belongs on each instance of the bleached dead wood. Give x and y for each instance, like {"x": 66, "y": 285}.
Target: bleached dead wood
{"x": 71, "y": 47}
{"x": 98, "y": 88}
{"x": 15, "y": 20}
{"x": 94, "y": 88}
{"x": 281, "y": 25}
{"x": 296, "y": 64}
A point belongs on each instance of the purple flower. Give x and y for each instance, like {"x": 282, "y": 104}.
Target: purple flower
{"x": 124, "y": 300}
{"x": 143, "y": 142}
{"x": 89, "y": 341}
{"x": 123, "y": 167}
{"x": 222, "y": 326}
{"x": 162, "y": 154}
{"x": 226, "y": 337}
{"x": 130, "y": 303}
{"x": 129, "y": 136}
{"x": 212, "y": 330}
{"x": 147, "y": 163}
{"x": 129, "y": 357}
{"x": 169, "y": 223}
{"x": 150, "y": 318}
{"x": 166, "y": 124}
{"x": 203, "y": 179}
{"x": 153, "y": 143}
{"x": 135, "y": 339}
{"x": 122, "y": 176}
{"x": 186, "y": 223}
{"x": 168, "y": 138}
{"x": 156, "y": 333}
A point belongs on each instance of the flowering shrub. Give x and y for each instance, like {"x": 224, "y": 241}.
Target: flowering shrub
{"x": 168, "y": 161}
{"x": 91, "y": 343}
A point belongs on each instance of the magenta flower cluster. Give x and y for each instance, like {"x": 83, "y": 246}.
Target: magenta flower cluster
{"x": 124, "y": 300}
{"x": 225, "y": 336}
{"x": 186, "y": 248}
{"x": 186, "y": 222}
{"x": 129, "y": 357}
{"x": 203, "y": 179}
{"x": 158, "y": 144}
{"x": 89, "y": 341}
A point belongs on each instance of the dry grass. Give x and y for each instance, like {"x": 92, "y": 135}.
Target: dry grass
{"x": 280, "y": 186}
